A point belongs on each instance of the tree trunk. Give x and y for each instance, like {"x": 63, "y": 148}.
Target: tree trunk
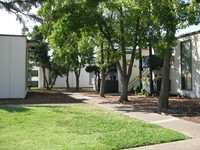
{"x": 45, "y": 82}
{"x": 77, "y": 81}
{"x": 103, "y": 79}
{"x": 124, "y": 92}
{"x": 67, "y": 80}
{"x": 54, "y": 80}
{"x": 163, "y": 100}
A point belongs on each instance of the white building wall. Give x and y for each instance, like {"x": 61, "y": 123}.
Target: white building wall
{"x": 12, "y": 66}
{"x": 175, "y": 74}
{"x": 85, "y": 80}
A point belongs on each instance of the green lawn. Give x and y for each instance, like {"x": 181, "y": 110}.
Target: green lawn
{"x": 75, "y": 127}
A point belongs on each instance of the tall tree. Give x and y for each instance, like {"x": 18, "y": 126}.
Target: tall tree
{"x": 41, "y": 57}
{"x": 121, "y": 23}
{"x": 167, "y": 17}
{"x": 105, "y": 59}
{"x": 78, "y": 43}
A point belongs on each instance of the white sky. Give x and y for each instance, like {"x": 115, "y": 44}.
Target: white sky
{"x": 9, "y": 25}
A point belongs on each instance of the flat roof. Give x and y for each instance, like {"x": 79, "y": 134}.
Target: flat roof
{"x": 12, "y": 35}
{"x": 188, "y": 34}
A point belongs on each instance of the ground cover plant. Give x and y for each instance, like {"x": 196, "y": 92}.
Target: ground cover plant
{"x": 76, "y": 126}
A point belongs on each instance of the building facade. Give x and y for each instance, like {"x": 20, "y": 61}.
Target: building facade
{"x": 86, "y": 79}
{"x": 13, "y": 64}
{"x": 185, "y": 69}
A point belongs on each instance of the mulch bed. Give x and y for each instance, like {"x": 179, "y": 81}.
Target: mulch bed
{"x": 41, "y": 97}
{"x": 184, "y": 108}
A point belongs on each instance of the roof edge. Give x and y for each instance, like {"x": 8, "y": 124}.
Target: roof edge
{"x": 12, "y": 35}
{"x": 188, "y": 34}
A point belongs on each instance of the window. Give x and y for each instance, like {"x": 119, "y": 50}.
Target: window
{"x": 186, "y": 65}
{"x": 34, "y": 83}
{"x": 34, "y": 73}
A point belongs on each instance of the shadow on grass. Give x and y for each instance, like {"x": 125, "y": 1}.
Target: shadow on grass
{"x": 42, "y": 97}
{"x": 14, "y": 109}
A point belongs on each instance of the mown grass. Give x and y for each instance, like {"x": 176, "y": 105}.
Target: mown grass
{"x": 76, "y": 127}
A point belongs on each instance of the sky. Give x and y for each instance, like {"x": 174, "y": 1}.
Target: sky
{"x": 9, "y": 25}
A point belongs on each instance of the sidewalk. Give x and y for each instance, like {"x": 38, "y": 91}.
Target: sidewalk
{"x": 189, "y": 128}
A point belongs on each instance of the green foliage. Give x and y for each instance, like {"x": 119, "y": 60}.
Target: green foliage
{"x": 41, "y": 57}
{"x": 93, "y": 68}
{"x": 77, "y": 127}
{"x": 166, "y": 18}
{"x": 136, "y": 88}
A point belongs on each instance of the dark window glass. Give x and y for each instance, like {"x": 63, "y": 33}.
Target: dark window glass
{"x": 34, "y": 83}
{"x": 186, "y": 65}
{"x": 34, "y": 73}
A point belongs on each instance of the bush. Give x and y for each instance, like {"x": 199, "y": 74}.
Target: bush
{"x": 136, "y": 88}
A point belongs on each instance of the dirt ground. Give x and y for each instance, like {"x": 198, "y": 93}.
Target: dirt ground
{"x": 41, "y": 97}
{"x": 184, "y": 108}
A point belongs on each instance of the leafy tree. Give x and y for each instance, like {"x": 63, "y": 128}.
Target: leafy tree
{"x": 41, "y": 57}
{"x": 62, "y": 57}
{"x": 58, "y": 67}
{"x": 105, "y": 59}
{"x": 167, "y": 17}
{"x": 121, "y": 23}
{"x": 77, "y": 44}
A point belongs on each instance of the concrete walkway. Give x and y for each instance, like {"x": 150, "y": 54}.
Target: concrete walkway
{"x": 189, "y": 128}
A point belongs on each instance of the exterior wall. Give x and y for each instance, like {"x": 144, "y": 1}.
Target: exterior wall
{"x": 12, "y": 66}
{"x": 175, "y": 74}
{"x": 85, "y": 80}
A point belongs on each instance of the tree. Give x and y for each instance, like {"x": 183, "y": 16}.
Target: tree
{"x": 41, "y": 57}
{"x": 105, "y": 60}
{"x": 63, "y": 58}
{"x": 121, "y": 23}
{"x": 81, "y": 53}
{"x": 58, "y": 66}
{"x": 77, "y": 43}
{"x": 167, "y": 17}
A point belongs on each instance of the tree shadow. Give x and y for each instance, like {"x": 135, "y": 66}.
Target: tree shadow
{"x": 17, "y": 109}
{"x": 42, "y": 97}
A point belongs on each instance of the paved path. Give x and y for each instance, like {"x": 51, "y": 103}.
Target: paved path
{"x": 189, "y": 128}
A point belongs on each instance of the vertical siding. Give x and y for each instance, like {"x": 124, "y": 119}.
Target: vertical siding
{"x": 4, "y": 67}
{"x": 18, "y": 67}
{"x": 12, "y": 66}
